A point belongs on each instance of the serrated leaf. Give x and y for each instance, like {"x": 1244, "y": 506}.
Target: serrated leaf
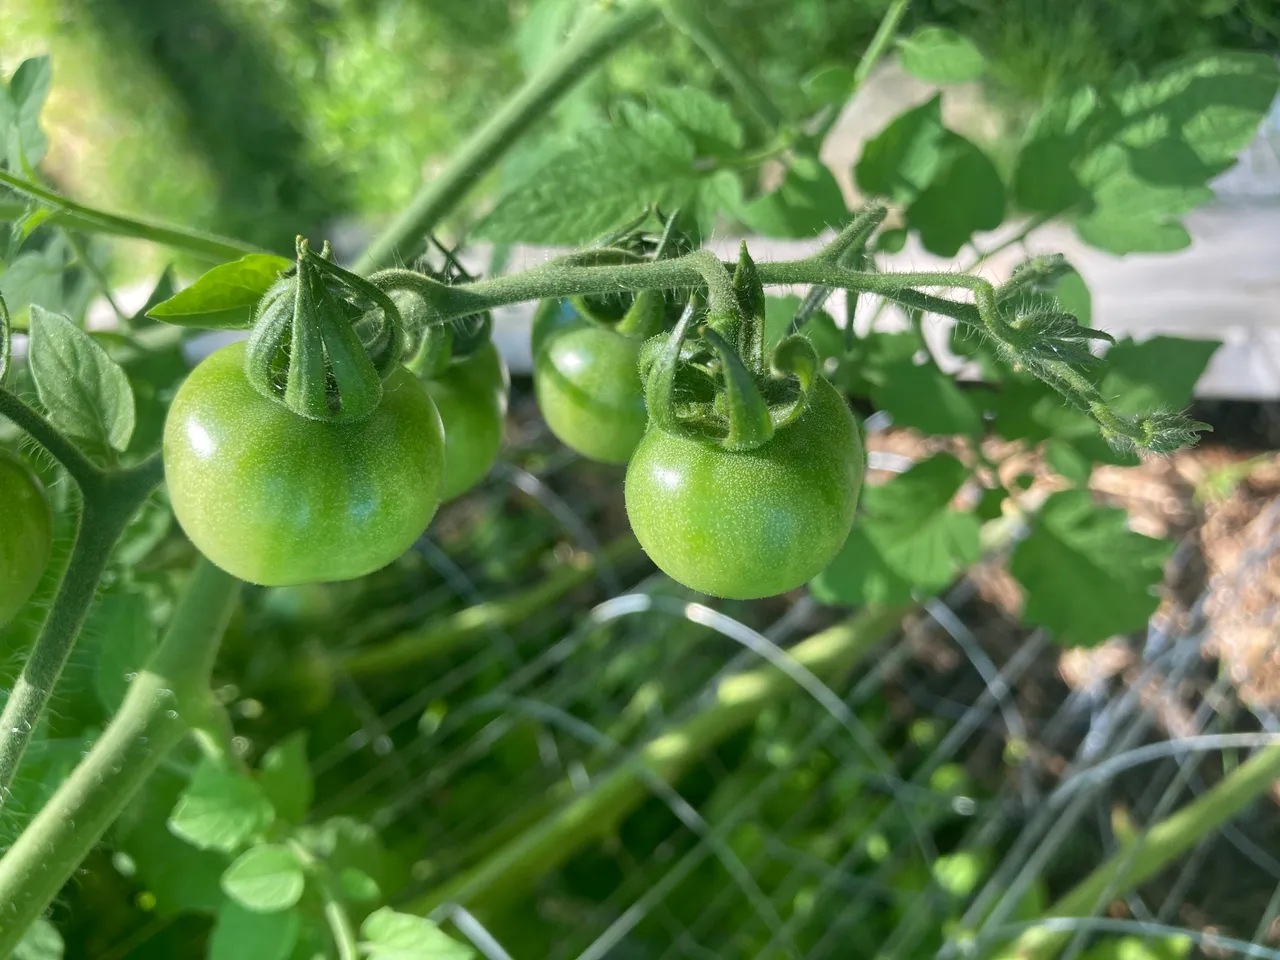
{"x": 922, "y": 396}
{"x": 901, "y": 160}
{"x": 42, "y": 941}
{"x": 1087, "y": 576}
{"x": 388, "y": 935}
{"x": 121, "y": 625}
{"x": 940, "y": 55}
{"x": 20, "y": 106}
{"x": 241, "y": 934}
{"x": 965, "y": 195}
{"x": 266, "y": 878}
{"x": 708, "y": 121}
{"x": 224, "y": 297}
{"x": 908, "y": 540}
{"x": 807, "y": 202}
{"x": 84, "y": 391}
{"x": 286, "y": 778}
{"x": 220, "y": 809}
{"x": 603, "y": 177}
{"x": 1157, "y": 374}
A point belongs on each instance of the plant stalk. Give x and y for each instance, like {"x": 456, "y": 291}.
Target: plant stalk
{"x": 165, "y": 700}
{"x": 602, "y": 32}
{"x": 1147, "y": 854}
{"x": 108, "y": 508}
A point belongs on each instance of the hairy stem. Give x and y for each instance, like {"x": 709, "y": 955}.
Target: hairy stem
{"x": 86, "y": 219}
{"x": 83, "y": 471}
{"x": 1147, "y": 854}
{"x": 162, "y": 703}
{"x": 602, "y": 32}
{"x": 107, "y": 510}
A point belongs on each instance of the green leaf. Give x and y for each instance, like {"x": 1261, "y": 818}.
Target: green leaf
{"x": 924, "y": 397}
{"x": 909, "y": 538}
{"x": 121, "y": 625}
{"x": 965, "y": 195}
{"x": 41, "y": 942}
{"x": 241, "y": 934}
{"x": 346, "y": 844}
{"x": 85, "y": 392}
{"x": 1073, "y": 296}
{"x": 901, "y": 160}
{"x": 220, "y": 809}
{"x": 1087, "y": 576}
{"x": 1044, "y": 178}
{"x": 358, "y": 886}
{"x": 388, "y": 935}
{"x": 20, "y": 106}
{"x": 709, "y": 122}
{"x": 286, "y": 778}
{"x": 1066, "y": 461}
{"x": 224, "y": 298}
{"x": 1156, "y": 374}
{"x": 891, "y": 241}
{"x": 603, "y": 177}
{"x": 33, "y": 276}
{"x": 265, "y": 878}
{"x": 808, "y": 202}
{"x": 165, "y": 288}
{"x": 828, "y": 86}
{"x": 939, "y": 55}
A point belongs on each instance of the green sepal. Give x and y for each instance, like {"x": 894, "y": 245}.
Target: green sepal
{"x": 659, "y": 371}
{"x": 750, "y": 425}
{"x": 793, "y": 357}
{"x": 751, "y": 304}
{"x": 435, "y": 350}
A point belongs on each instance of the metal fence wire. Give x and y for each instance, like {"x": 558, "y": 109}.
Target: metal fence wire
{"x": 580, "y": 783}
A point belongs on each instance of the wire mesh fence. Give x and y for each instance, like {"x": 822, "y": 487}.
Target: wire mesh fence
{"x": 663, "y": 779}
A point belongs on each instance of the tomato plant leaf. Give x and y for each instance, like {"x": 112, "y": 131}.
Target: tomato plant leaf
{"x": 224, "y": 297}
{"x": 1066, "y": 461}
{"x": 33, "y": 276}
{"x": 346, "y": 844}
{"x": 85, "y": 392}
{"x": 121, "y": 625}
{"x": 242, "y": 934}
{"x": 388, "y": 935}
{"x": 922, "y": 396}
{"x": 940, "y": 55}
{"x": 20, "y": 107}
{"x": 1087, "y": 576}
{"x": 1158, "y": 373}
{"x": 266, "y": 878}
{"x": 908, "y": 539}
{"x": 42, "y": 941}
{"x": 965, "y": 195}
{"x": 286, "y": 778}
{"x": 807, "y": 202}
{"x": 600, "y": 178}
{"x": 709, "y": 122}
{"x": 220, "y": 809}
{"x": 901, "y": 160}
{"x": 358, "y": 886}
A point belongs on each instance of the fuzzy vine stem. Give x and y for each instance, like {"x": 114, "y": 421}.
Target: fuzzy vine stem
{"x": 109, "y": 502}
{"x": 1019, "y": 341}
{"x": 165, "y": 700}
{"x": 602, "y": 32}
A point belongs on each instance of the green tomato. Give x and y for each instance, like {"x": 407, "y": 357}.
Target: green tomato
{"x": 587, "y": 380}
{"x": 26, "y": 534}
{"x": 471, "y": 395}
{"x": 752, "y": 524}
{"x": 277, "y": 499}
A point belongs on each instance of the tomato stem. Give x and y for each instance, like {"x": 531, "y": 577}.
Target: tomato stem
{"x": 165, "y": 700}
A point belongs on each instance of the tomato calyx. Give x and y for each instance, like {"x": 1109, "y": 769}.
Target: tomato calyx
{"x": 724, "y": 385}
{"x": 433, "y": 345}
{"x": 323, "y": 339}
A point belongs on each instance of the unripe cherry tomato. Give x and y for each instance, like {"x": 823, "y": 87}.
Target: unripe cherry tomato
{"x": 471, "y": 395}
{"x": 745, "y": 525}
{"x": 26, "y": 534}
{"x": 278, "y": 499}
